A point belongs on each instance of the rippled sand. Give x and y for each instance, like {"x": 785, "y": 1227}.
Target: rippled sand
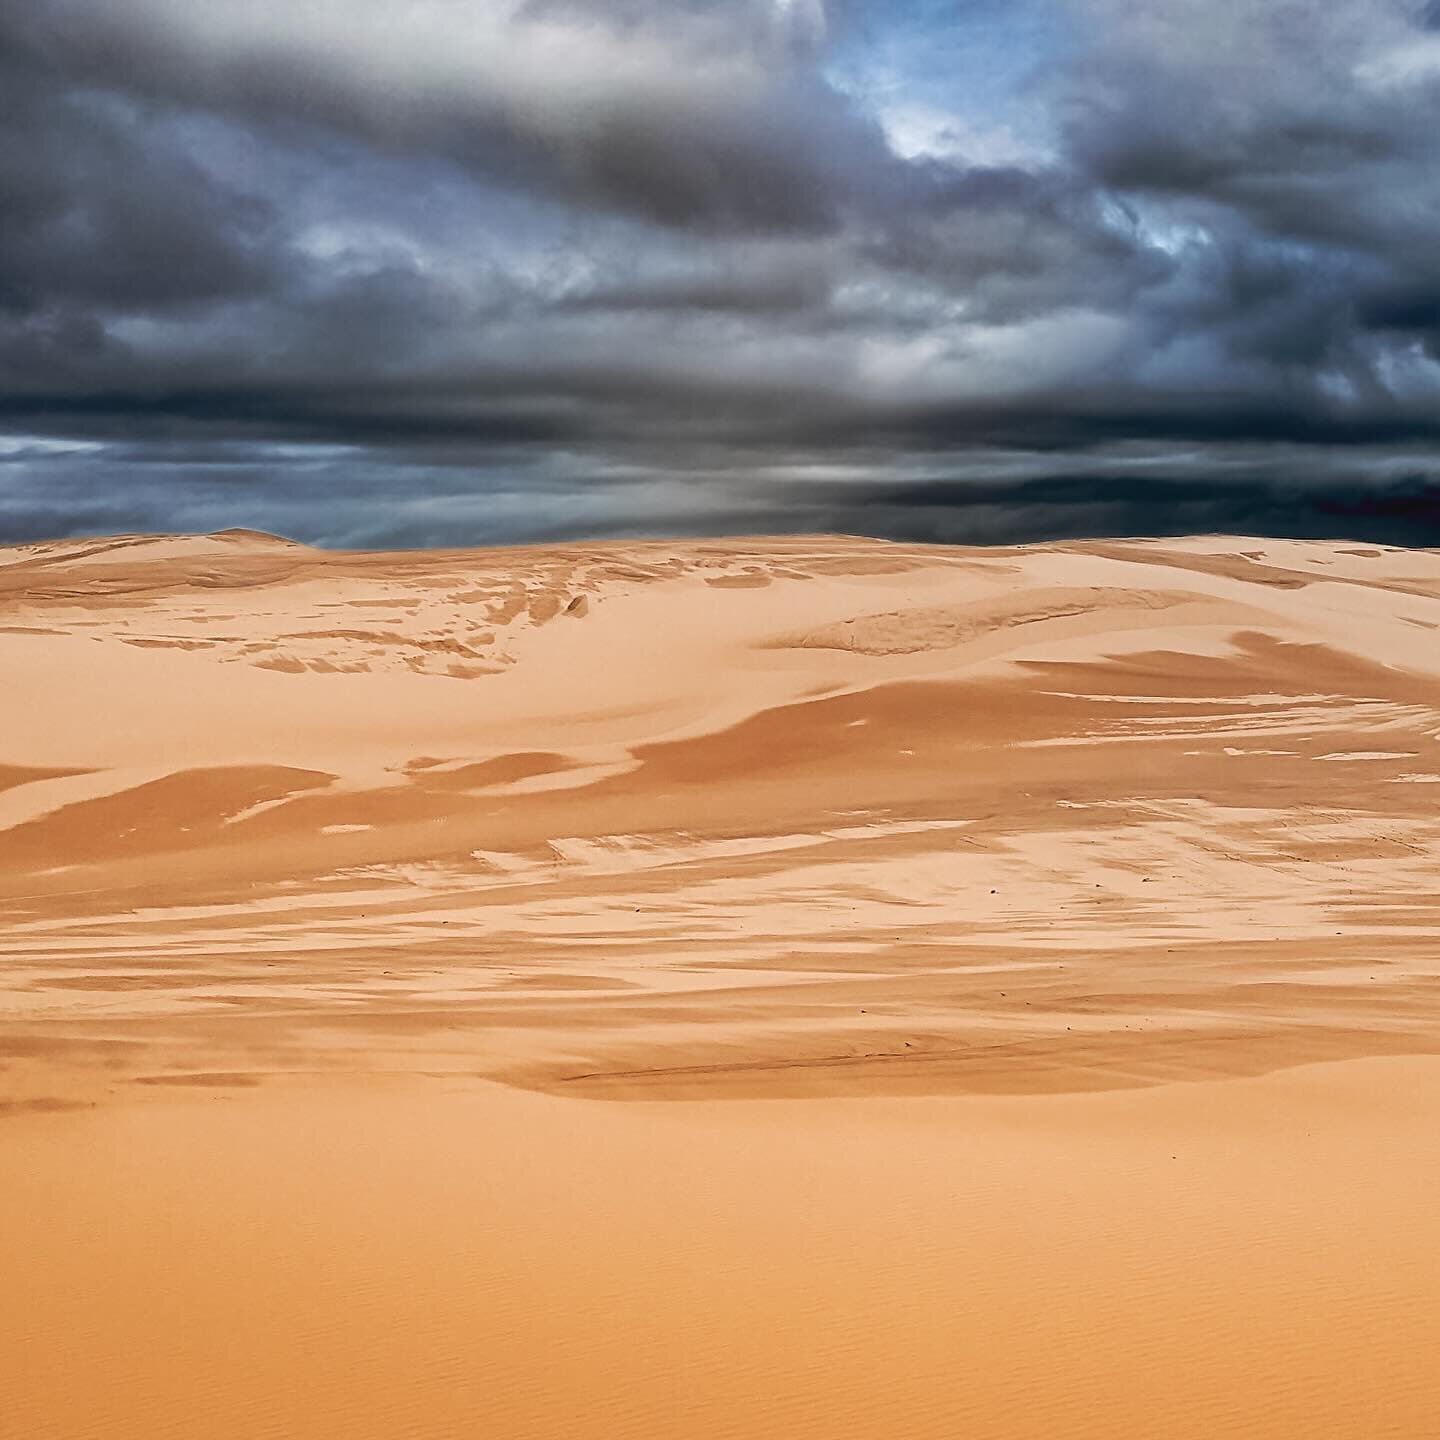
{"x": 776, "y": 987}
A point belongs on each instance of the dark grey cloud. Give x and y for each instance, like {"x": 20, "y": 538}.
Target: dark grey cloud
{"x": 99, "y": 203}
{"x": 371, "y": 272}
{"x": 687, "y": 115}
{"x": 1402, "y": 509}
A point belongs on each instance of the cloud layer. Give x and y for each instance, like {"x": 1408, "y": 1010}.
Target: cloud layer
{"x": 419, "y": 271}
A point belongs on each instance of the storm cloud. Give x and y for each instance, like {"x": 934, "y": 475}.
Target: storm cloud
{"x": 421, "y": 271}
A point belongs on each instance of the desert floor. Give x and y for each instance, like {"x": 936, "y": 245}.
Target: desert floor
{"x": 749, "y": 988}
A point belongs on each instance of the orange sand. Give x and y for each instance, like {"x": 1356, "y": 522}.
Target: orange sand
{"x": 343, "y": 896}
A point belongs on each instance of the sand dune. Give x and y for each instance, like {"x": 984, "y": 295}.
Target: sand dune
{"x": 904, "y": 841}
{"x": 791, "y": 805}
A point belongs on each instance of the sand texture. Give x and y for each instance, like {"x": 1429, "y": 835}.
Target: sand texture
{"x": 380, "y": 935}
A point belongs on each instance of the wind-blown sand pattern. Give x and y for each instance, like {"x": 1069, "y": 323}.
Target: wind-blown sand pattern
{"x": 1060, "y": 926}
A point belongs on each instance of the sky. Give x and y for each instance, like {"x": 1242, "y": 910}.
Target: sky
{"x": 445, "y": 272}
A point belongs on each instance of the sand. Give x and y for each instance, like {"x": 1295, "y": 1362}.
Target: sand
{"x": 761, "y": 987}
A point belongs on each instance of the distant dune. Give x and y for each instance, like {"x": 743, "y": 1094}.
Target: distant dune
{"x": 1036, "y": 952}
{"x": 1185, "y": 788}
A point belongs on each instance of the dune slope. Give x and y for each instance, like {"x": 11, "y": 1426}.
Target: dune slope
{"x": 770, "y": 817}
{"x": 739, "y": 990}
